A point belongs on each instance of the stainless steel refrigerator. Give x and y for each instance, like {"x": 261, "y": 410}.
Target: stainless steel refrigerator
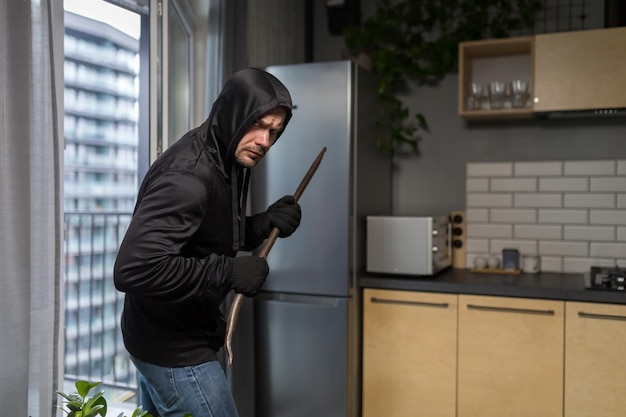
{"x": 297, "y": 345}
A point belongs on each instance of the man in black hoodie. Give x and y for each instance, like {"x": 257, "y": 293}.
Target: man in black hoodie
{"x": 178, "y": 260}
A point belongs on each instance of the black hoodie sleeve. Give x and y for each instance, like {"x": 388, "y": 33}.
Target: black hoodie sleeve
{"x": 149, "y": 263}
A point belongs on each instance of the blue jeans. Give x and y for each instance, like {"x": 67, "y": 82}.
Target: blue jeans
{"x": 201, "y": 390}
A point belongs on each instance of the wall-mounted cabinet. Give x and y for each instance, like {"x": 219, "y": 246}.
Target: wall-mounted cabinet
{"x": 497, "y": 60}
{"x": 569, "y": 71}
{"x": 580, "y": 70}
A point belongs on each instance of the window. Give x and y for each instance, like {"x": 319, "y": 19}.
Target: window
{"x": 102, "y": 147}
{"x": 109, "y": 144}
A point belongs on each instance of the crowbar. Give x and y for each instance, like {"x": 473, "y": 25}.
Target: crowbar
{"x": 238, "y": 300}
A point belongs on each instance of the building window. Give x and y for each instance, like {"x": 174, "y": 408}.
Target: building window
{"x": 102, "y": 102}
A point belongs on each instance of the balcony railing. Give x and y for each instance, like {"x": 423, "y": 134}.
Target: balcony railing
{"x": 94, "y": 350}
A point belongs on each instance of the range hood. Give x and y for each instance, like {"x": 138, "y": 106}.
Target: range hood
{"x": 581, "y": 114}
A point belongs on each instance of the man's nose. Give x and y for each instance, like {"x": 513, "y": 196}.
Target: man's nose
{"x": 264, "y": 137}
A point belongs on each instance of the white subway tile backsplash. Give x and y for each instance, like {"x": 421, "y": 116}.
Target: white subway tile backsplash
{"x": 552, "y": 264}
{"x": 583, "y": 265}
{"x": 525, "y": 247}
{"x": 513, "y": 184}
{"x": 538, "y": 232}
{"x": 477, "y": 185}
{"x": 513, "y": 216}
{"x": 489, "y": 200}
{"x": 608, "y": 184}
{"x": 616, "y": 217}
{"x": 571, "y": 213}
{"x": 538, "y": 200}
{"x": 621, "y": 168}
{"x": 538, "y": 169}
{"x": 564, "y": 248}
{"x": 590, "y": 168}
{"x": 490, "y": 169}
{"x": 588, "y": 233}
{"x": 563, "y": 216}
{"x": 477, "y": 245}
{"x": 489, "y": 231}
{"x": 608, "y": 250}
{"x": 589, "y": 200}
{"x": 477, "y": 215}
{"x": 563, "y": 184}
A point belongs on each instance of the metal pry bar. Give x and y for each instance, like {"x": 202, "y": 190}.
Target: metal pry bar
{"x": 238, "y": 300}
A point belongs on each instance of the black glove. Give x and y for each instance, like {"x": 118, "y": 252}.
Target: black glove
{"x": 284, "y": 214}
{"x": 248, "y": 274}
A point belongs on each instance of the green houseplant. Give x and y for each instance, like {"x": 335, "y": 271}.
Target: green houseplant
{"x": 81, "y": 404}
{"x": 417, "y": 41}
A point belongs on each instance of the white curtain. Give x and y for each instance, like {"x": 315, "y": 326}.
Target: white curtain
{"x": 30, "y": 205}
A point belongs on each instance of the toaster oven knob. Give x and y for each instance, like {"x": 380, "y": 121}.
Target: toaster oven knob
{"x": 457, "y": 243}
{"x": 435, "y": 249}
{"x": 457, "y": 231}
{"x": 435, "y": 232}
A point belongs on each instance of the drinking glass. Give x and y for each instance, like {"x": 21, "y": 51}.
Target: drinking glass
{"x": 475, "y": 96}
{"x": 519, "y": 92}
{"x": 497, "y": 90}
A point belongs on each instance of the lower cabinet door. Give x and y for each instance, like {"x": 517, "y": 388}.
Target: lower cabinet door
{"x": 409, "y": 354}
{"x": 510, "y": 357}
{"x": 595, "y": 369}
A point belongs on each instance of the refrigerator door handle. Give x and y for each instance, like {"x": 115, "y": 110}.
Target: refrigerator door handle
{"x": 300, "y": 299}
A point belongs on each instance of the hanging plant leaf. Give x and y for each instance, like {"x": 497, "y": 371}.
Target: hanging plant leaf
{"x": 417, "y": 41}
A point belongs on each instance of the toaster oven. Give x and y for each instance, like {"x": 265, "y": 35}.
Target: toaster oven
{"x": 408, "y": 245}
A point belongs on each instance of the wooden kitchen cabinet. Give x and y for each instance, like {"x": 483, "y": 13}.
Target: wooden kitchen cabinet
{"x": 494, "y": 60}
{"x": 595, "y": 371}
{"x": 566, "y": 71}
{"x": 510, "y": 357}
{"x": 580, "y": 70}
{"x": 409, "y": 354}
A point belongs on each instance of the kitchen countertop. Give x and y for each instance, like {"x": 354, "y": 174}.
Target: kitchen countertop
{"x": 545, "y": 285}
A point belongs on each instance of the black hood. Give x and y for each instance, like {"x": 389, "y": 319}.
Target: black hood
{"x": 247, "y": 95}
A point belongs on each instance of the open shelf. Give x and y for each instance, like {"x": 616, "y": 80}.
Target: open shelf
{"x": 502, "y": 60}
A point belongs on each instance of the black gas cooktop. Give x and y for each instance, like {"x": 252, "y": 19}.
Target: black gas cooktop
{"x": 607, "y": 279}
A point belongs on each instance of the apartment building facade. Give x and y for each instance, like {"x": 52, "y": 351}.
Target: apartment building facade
{"x": 101, "y": 71}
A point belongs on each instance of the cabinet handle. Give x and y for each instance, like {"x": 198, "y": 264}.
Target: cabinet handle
{"x": 600, "y": 316}
{"x": 511, "y": 310}
{"x": 411, "y": 303}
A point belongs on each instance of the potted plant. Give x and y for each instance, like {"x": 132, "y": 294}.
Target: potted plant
{"x": 81, "y": 405}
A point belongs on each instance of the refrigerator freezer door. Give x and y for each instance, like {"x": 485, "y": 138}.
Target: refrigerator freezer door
{"x": 301, "y": 356}
{"x": 315, "y": 259}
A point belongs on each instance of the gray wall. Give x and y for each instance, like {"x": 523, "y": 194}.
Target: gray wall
{"x": 434, "y": 182}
